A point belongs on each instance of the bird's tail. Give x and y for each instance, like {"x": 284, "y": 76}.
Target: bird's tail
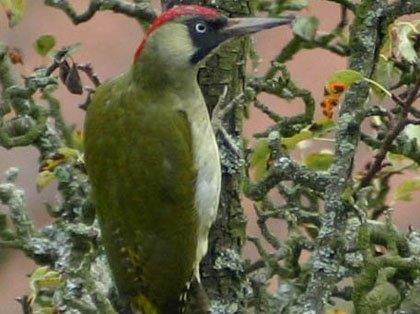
{"x": 141, "y": 305}
{"x": 193, "y": 300}
{"x": 197, "y": 301}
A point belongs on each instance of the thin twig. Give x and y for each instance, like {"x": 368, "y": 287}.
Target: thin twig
{"x": 346, "y": 3}
{"x": 392, "y": 135}
{"x": 344, "y": 20}
{"x": 25, "y": 303}
{"x": 271, "y": 114}
{"x": 380, "y": 156}
{"x": 140, "y": 11}
{"x": 88, "y": 70}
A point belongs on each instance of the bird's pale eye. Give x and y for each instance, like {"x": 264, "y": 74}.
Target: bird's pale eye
{"x": 200, "y": 28}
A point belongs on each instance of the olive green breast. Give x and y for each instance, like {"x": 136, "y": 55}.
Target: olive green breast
{"x": 140, "y": 162}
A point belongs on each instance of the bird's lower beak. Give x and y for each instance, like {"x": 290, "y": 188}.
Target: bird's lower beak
{"x": 248, "y": 25}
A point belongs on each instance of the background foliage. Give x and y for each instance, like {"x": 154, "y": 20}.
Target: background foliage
{"x": 342, "y": 251}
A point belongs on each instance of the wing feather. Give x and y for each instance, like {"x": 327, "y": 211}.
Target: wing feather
{"x": 140, "y": 162}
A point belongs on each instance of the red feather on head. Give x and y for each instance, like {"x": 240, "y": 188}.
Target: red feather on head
{"x": 173, "y": 13}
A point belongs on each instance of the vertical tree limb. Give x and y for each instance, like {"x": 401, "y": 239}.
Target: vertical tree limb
{"x": 366, "y": 35}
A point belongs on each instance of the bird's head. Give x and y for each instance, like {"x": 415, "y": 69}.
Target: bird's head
{"x": 184, "y": 35}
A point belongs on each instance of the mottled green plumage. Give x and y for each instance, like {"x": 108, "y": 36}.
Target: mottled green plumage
{"x": 140, "y": 160}
{"x": 128, "y": 140}
{"x": 153, "y": 162}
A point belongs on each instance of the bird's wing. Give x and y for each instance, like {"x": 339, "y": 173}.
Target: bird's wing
{"x": 140, "y": 162}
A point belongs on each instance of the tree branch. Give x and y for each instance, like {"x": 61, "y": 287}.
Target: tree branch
{"x": 285, "y": 169}
{"x": 142, "y": 11}
{"x": 365, "y": 34}
{"x": 403, "y": 121}
{"x": 349, "y": 4}
{"x": 403, "y": 7}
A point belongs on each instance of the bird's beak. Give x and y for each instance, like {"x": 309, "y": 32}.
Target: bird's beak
{"x": 248, "y": 25}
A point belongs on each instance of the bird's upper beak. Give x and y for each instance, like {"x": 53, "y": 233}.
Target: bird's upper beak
{"x": 248, "y": 25}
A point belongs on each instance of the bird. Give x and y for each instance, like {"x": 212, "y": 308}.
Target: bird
{"x": 153, "y": 161}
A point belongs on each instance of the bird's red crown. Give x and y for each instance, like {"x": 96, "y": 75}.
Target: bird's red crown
{"x": 173, "y": 13}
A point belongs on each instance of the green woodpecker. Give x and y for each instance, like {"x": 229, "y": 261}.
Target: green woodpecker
{"x": 152, "y": 157}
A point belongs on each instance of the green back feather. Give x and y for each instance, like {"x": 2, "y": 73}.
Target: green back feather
{"x": 139, "y": 159}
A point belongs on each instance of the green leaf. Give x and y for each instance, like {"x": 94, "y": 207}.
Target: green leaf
{"x": 47, "y": 310}
{"x": 316, "y": 129}
{"x": 347, "y": 77}
{"x": 404, "y": 39}
{"x": 400, "y": 162}
{"x": 321, "y": 127}
{"x": 260, "y": 157}
{"x": 386, "y": 74}
{"x": 277, "y": 7}
{"x": 44, "y": 277}
{"x": 405, "y": 190}
{"x": 376, "y": 86}
{"x": 294, "y": 5}
{"x": 68, "y": 153}
{"x": 42, "y": 282}
{"x": 386, "y": 50}
{"x": 413, "y": 132}
{"x": 44, "y": 179}
{"x": 311, "y": 229}
{"x": 306, "y": 27}
{"x": 14, "y": 10}
{"x": 44, "y": 44}
{"x": 291, "y": 142}
{"x": 319, "y": 161}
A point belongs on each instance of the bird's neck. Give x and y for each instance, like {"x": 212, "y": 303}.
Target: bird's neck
{"x": 159, "y": 72}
